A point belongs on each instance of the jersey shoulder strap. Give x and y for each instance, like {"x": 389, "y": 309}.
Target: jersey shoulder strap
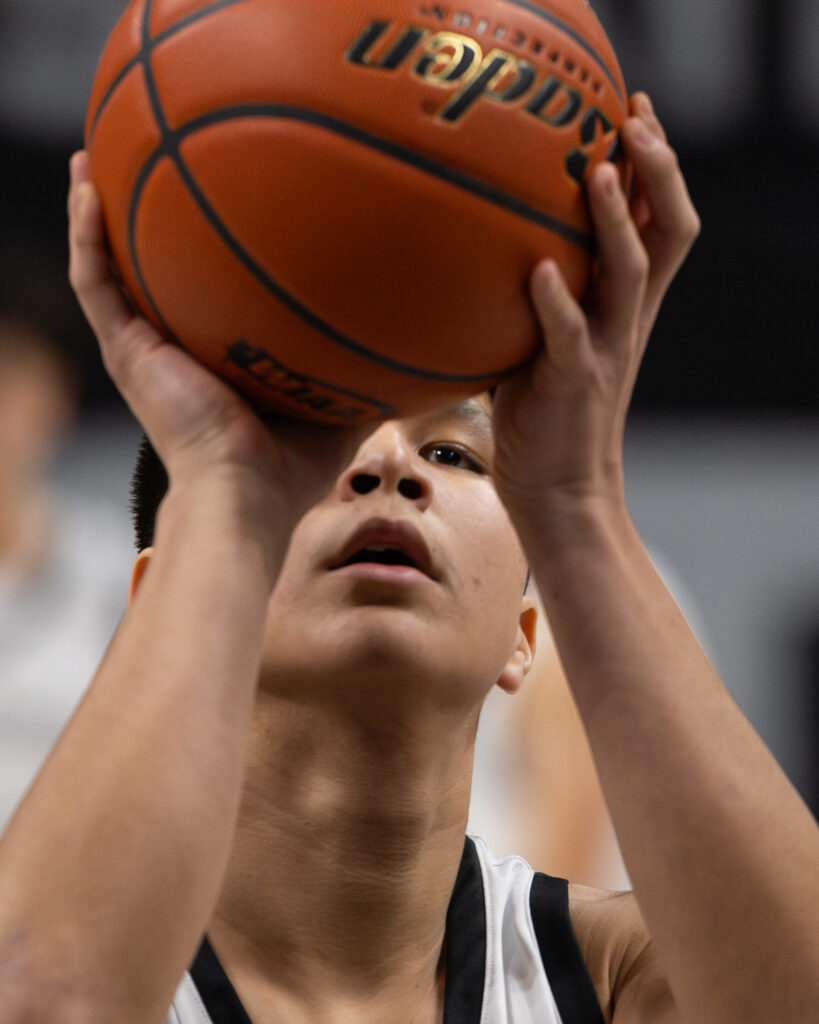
{"x": 534, "y": 962}
{"x": 571, "y": 982}
{"x": 206, "y": 995}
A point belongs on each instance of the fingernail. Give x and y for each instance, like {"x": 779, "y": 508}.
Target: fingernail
{"x": 549, "y": 270}
{"x": 85, "y": 194}
{"x": 78, "y": 166}
{"x": 607, "y": 176}
{"x": 549, "y": 273}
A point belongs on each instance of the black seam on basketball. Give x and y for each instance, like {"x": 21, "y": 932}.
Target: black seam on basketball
{"x": 381, "y": 408}
{"x": 112, "y": 88}
{"x": 303, "y": 312}
{"x": 189, "y": 19}
{"x": 142, "y": 178}
{"x": 150, "y": 82}
{"x": 554, "y": 20}
{"x": 169, "y": 146}
{"x": 168, "y": 33}
{"x": 435, "y": 168}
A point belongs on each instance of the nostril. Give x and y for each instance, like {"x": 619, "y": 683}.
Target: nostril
{"x": 410, "y": 489}
{"x": 363, "y": 483}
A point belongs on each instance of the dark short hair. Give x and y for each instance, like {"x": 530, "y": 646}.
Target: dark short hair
{"x": 149, "y": 484}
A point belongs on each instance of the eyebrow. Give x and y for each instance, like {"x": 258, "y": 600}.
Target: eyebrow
{"x": 473, "y": 415}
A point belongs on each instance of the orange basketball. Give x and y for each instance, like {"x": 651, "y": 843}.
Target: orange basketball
{"x": 337, "y": 206}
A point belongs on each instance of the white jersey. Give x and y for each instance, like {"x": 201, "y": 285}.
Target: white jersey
{"x": 511, "y": 954}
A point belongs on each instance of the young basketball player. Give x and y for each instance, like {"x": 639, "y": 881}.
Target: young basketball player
{"x": 276, "y": 750}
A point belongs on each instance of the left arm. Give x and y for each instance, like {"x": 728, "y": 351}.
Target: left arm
{"x": 721, "y": 850}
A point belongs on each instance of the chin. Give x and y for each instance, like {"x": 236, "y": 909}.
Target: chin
{"x": 374, "y": 657}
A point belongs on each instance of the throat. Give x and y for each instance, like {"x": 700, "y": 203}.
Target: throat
{"x": 344, "y": 861}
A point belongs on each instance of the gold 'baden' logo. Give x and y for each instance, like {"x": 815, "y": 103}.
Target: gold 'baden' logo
{"x": 457, "y": 63}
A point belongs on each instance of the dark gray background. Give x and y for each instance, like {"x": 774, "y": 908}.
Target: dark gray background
{"x": 723, "y": 449}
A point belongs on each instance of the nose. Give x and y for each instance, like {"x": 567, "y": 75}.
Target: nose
{"x": 387, "y": 463}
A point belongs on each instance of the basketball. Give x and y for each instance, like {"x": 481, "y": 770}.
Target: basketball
{"x": 337, "y": 206}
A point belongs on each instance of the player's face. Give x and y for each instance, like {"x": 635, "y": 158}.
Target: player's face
{"x": 409, "y": 567}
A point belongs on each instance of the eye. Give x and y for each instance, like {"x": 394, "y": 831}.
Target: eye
{"x": 453, "y": 455}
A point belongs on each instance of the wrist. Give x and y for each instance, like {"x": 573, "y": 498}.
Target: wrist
{"x": 233, "y": 513}
{"x": 560, "y": 519}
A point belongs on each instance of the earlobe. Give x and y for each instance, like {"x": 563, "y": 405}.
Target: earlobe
{"x": 521, "y": 658}
{"x": 142, "y": 562}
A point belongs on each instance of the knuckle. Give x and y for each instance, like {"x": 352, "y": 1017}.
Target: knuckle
{"x": 668, "y": 162}
{"x": 575, "y": 330}
{"x": 692, "y": 226}
{"x": 74, "y": 275}
{"x": 685, "y": 230}
{"x": 589, "y": 375}
{"x": 636, "y": 265}
{"x": 121, "y": 357}
{"x": 83, "y": 283}
{"x": 77, "y": 276}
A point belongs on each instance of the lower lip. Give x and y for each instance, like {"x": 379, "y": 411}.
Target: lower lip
{"x": 380, "y": 573}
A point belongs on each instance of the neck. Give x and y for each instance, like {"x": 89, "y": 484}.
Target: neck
{"x": 346, "y": 852}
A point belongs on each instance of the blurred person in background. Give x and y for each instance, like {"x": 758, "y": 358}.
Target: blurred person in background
{"x": 539, "y": 798}
{"x": 536, "y": 791}
{"x": 62, "y": 557}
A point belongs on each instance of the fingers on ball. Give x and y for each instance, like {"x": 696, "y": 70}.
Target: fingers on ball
{"x": 564, "y": 323}
{"x": 658, "y": 170}
{"x": 642, "y": 107}
{"x": 622, "y": 253}
{"x": 89, "y": 268}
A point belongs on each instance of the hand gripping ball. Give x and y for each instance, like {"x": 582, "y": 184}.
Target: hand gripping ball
{"x": 337, "y": 205}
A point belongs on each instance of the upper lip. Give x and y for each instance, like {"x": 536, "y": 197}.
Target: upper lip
{"x": 401, "y": 535}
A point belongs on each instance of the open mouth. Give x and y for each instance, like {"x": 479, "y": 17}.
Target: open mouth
{"x": 380, "y": 542}
{"x": 382, "y": 556}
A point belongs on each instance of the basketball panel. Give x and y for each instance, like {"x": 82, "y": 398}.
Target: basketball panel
{"x": 506, "y": 144}
{"x": 120, "y": 50}
{"x": 126, "y": 137}
{"x": 167, "y": 15}
{"x": 394, "y": 258}
{"x": 220, "y": 311}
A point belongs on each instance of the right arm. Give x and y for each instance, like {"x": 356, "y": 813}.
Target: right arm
{"x": 112, "y": 864}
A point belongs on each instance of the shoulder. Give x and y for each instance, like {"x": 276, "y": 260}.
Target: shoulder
{"x": 620, "y": 957}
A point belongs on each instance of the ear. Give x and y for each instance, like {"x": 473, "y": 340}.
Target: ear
{"x": 521, "y": 658}
{"x": 142, "y": 562}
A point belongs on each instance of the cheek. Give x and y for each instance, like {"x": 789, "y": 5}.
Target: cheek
{"x": 287, "y": 601}
{"x": 494, "y": 565}
{"x": 291, "y": 583}
{"x": 286, "y": 604}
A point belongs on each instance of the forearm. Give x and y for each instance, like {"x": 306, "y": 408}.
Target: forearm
{"x": 110, "y": 869}
{"x": 720, "y": 848}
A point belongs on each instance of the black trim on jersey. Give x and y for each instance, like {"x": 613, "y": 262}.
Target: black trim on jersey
{"x": 563, "y": 962}
{"x": 215, "y": 990}
{"x": 465, "y": 943}
{"x": 465, "y": 957}
{"x": 465, "y": 954}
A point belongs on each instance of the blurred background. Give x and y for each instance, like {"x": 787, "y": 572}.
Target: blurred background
{"x": 723, "y": 445}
